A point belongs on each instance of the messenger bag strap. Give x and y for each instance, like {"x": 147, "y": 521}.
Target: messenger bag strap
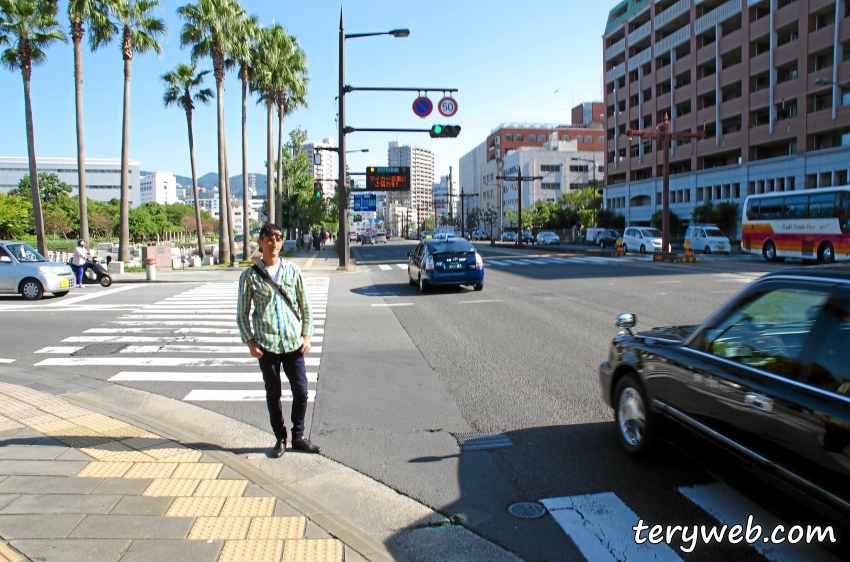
{"x": 262, "y": 273}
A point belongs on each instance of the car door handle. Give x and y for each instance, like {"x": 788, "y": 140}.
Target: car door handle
{"x": 758, "y": 402}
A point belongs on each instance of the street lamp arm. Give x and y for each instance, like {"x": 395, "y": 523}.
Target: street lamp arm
{"x": 388, "y": 89}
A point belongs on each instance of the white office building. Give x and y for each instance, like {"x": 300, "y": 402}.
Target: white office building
{"x": 158, "y": 187}
{"x": 324, "y": 165}
{"x": 103, "y": 175}
{"x": 446, "y": 198}
{"x": 418, "y": 202}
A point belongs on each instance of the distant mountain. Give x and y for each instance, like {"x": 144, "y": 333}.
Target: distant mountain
{"x": 211, "y": 180}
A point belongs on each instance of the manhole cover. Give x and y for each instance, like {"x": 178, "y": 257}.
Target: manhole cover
{"x": 479, "y": 440}
{"x": 527, "y": 510}
{"x": 101, "y": 349}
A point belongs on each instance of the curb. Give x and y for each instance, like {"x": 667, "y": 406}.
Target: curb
{"x": 9, "y": 554}
{"x": 364, "y": 544}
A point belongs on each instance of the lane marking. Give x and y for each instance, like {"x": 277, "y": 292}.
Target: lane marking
{"x": 156, "y": 361}
{"x": 385, "y": 267}
{"x": 142, "y": 316}
{"x": 482, "y": 300}
{"x": 240, "y": 396}
{"x": 171, "y": 376}
{"x": 7, "y": 360}
{"x": 600, "y": 526}
{"x": 169, "y": 329}
{"x": 169, "y": 323}
{"x": 89, "y": 296}
{"x": 401, "y": 266}
{"x": 396, "y": 304}
{"x": 58, "y": 349}
{"x": 516, "y": 262}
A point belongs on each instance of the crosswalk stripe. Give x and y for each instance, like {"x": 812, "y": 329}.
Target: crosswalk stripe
{"x": 172, "y": 376}
{"x": 152, "y": 339}
{"x": 169, "y": 323}
{"x": 401, "y": 265}
{"x": 156, "y": 361}
{"x": 600, "y": 526}
{"x": 488, "y": 262}
{"x": 139, "y": 314}
{"x": 385, "y": 267}
{"x": 169, "y": 329}
{"x": 516, "y": 262}
{"x": 240, "y": 396}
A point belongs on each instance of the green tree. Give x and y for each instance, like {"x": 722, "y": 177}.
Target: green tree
{"x": 14, "y": 216}
{"x": 511, "y": 217}
{"x": 50, "y": 187}
{"x": 183, "y": 88}
{"x": 703, "y": 214}
{"x": 28, "y": 28}
{"x": 56, "y": 223}
{"x": 676, "y": 227}
{"x": 540, "y": 214}
{"x": 140, "y": 33}
{"x": 609, "y": 219}
{"x": 428, "y": 223}
{"x": 490, "y": 217}
{"x": 726, "y": 218}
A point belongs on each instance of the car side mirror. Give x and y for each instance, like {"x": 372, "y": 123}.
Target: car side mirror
{"x": 626, "y": 320}
{"x": 5, "y": 259}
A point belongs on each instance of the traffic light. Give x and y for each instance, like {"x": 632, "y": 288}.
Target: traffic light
{"x": 444, "y": 131}
{"x": 317, "y": 190}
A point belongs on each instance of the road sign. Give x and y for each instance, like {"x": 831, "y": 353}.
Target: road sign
{"x": 422, "y": 107}
{"x": 447, "y": 106}
{"x": 365, "y": 202}
{"x": 392, "y": 178}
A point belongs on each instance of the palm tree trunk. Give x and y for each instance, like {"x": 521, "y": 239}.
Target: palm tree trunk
{"x": 231, "y": 241}
{"x": 279, "y": 184}
{"x": 81, "y": 145}
{"x": 246, "y": 200}
{"x": 223, "y": 246}
{"x": 36, "y": 194}
{"x": 195, "y": 186}
{"x": 270, "y": 199}
{"x": 124, "y": 226}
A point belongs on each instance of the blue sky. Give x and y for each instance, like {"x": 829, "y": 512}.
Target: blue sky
{"x": 506, "y": 58}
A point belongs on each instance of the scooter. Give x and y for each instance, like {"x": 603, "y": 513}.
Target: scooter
{"x": 96, "y": 274}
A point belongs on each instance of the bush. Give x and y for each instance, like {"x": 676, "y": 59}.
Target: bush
{"x": 677, "y": 230}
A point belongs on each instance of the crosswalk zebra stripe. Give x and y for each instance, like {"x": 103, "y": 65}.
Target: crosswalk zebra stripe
{"x": 168, "y": 329}
{"x": 169, "y": 323}
{"x": 172, "y": 376}
{"x": 385, "y": 267}
{"x": 162, "y": 339}
{"x": 401, "y": 265}
{"x": 240, "y": 396}
{"x": 167, "y": 348}
{"x": 156, "y": 361}
{"x": 600, "y": 526}
{"x": 516, "y": 262}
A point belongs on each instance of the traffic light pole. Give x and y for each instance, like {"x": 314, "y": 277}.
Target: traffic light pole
{"x": 519, "y": 178}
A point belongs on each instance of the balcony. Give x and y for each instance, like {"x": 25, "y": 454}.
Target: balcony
{"x": 673, "y": 40}
{"x": 821, "y": 39}
{"x": 615, "y": 49}
{"x": 671, "y": 13}
{"x": 614, "y": 73}
{"x": 640, "y": 59}
{"x": 717, "y": 15}
{"x": 640, "y": 33}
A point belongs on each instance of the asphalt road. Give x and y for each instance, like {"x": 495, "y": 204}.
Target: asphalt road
{"x": 400, "y": 373}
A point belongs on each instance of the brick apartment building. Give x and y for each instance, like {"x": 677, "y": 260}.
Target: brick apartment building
{"x": 742, "y": 71}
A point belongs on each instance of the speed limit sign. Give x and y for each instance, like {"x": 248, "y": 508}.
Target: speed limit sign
{"x": 447, "y": 106}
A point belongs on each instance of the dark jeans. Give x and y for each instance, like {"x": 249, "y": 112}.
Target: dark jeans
{"x": 296, "y": 372}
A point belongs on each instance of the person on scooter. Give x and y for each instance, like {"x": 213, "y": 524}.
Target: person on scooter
{"x": 81, "y": 262}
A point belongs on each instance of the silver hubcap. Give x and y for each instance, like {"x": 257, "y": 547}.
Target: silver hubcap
{"x": 631, "y": 416}
{"x": 421, "y": 284}
{"x": 769, "y": 252}
{"x": 30, "y": 290}
{"x": 827, "y": 254}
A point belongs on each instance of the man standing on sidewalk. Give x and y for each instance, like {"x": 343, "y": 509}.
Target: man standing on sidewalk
{"x": 278, "y": 333}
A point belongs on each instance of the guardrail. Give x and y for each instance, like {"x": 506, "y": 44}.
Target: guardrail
{"x": 640, "y": 58}
{"x": 673, "y": 40}
{"x": 616, "y": 72}
{"x": 640, "y": 32}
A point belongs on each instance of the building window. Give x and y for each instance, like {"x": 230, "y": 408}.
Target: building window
{"x": 509, "y": 137}
{"x": 601, "y": 139}
{"x": 579, "y": 139}
{"x": 519, "y": 137}
{"x": 550, "y": 167}
{"x": 550, "y": 186}
{"x": 578, "y": 168}
{"x": 566, "y": 138}
{"x": 532, "y": 137}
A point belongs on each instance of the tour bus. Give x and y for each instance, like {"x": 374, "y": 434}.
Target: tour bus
{"x": 812, "y": 225}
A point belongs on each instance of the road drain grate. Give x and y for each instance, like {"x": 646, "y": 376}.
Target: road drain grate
{"x": 527, "y": 510}
{"x": 479, "y": 440}
{"x": 101, "y": 349}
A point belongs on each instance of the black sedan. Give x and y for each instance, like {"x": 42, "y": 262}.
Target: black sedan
{"x": 766, "y": 377}
{"x": 608, "y": 238}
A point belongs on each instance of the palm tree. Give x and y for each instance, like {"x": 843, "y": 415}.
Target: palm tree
{"x": 140, "y": 32}
{"x": 94, "y": 14}
{"x": 241, "y": 54}
{"x": 208, "y": 27}
{"x": 261, "y": 83}
{"x": 29, "y": 27}
{"x": 183, "y": 88}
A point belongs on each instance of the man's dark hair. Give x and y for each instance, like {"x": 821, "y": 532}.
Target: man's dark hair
{"x": 269, "y": 229}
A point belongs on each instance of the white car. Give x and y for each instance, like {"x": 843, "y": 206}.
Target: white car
{"x": 26, "y": 272}
{"x": 707, "y": 239}
{"x": 548, "y": 238}
{"x": 642, "y": 239}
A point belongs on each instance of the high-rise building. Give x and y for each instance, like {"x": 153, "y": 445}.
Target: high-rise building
{"x": 417, "y": 203}
{"x": 765, "y": 80}
{"x": 324, "y": 165}
{"x": 158, "y": 187}
{"x": 446, "y": 198}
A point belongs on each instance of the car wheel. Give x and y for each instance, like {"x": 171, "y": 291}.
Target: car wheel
{"x": 769, "y": 251}
{"x": 423, "y": 285}
{"x": 60, "y": 294}
{"x": 642, "y": 249}
{"x": 410, "y": 280}
{"x": 601, "y": 245}
{"x": 632, "y": 416}
{"x": 625, "y": 248}
{"x": 827, "y": 253}
{"x": 478, "y": 286}
{"x": 105, "y": 281}
{"x": 31, "y": 289}
{"x": 707, "y": 250}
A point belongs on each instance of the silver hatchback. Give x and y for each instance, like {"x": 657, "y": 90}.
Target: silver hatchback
{"x": 26, "y": 272}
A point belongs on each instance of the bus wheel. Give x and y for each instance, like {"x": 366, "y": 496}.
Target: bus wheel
{"x": 826, "y": 253}
{"x": 769, "y": 251}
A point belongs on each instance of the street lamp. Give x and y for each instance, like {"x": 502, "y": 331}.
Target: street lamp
{"x": 343, "y": 190}
{"x": 595, "y": 187}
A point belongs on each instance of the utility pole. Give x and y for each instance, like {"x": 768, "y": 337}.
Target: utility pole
{"x": 519, "y": 178}
{"x": 462, "y": 215}
{"x": 449, "y": 190}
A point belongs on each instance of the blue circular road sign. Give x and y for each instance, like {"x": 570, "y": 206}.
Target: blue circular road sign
{"x": 422, "y": 107}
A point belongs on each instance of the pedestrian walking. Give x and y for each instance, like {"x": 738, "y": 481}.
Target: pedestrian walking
{"x": 317, "y": 242}
{"x": 278, "y": 333}
{"x": 307, "y": 239}
{"x": 81, "y": 262}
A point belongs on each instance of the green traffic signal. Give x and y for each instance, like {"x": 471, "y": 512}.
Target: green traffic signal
{"x": 444, "y": 131}
{"x": 318, "y": 194}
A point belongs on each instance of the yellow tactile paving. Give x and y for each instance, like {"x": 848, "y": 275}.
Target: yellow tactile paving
{"x": 282, "y": 528}
{"x": 63, "y": 428}
{"x": 171, "y": 488}
{"x": 108, "y": 426}
{"x": 22, "y": 413}
{"x": 219, "y": 528}
{"x": 195, "y": 507}
{"x": 251, "y": 551}
{"x": 204, "y": 471}
{"x": 221, "y": 488}
{"x": 182, "y": 456}
{"x": 248, "y": 507}
{"x": 152, "y": 470}
{"x": 99, "y": 469}
{"x": 313, "y": 550}
{"x": 115, "y": 452}
{"x": 38, "y": 419}
{"x": 69, "y": 412}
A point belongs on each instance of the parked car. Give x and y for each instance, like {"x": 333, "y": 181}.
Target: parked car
{"x": 591, "y": 235}
{"x": 527, "y": 238}
{"x": 766, "y": 377}
{"x": 608, "y": 237}
{"x": 367, "y": 238}
{"x": 480, "y": 235}
{"x": 642, "y": 239}
{"x": 352, "y": 237}
{"x": 548, "y": 239}
{"x": 450, "y": 261}
{"x": 26, "y": 272}
{"x": 509, "y": 237}
{"x": 380, "y": 237}
{"x": 707, "y": 238}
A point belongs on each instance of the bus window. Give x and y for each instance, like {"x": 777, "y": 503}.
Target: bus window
{"x": 844, "y": 212}
{"x": 753, "y": 210}
{"x": 796, "y": 207}
{"x": 771, "y": 208}
{"x": 822, "y": 206}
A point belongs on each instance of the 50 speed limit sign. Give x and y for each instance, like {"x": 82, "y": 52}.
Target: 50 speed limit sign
{"x": 447, "y": 106}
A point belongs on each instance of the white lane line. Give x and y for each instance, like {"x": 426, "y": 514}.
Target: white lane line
{"x": 169, "y": 323}
{"x": 488, "y": 262}
{"x": 167, "y": 329}
{"x": 58, "y": 349}
{"x": 482, "y": 300}
{"x": 401, "y": 265}
{"x": 545, "y": 260}
{"x": 385, "y": 267}
{"x": 234, "y": 349}
{"x": 600, "y": 526}
{"x": 99, "y": 294}
{"x": 152, "y": 339}
{"x": 156, "y": 361}
{"x": 525, "y": 262}
{"x": 142, "y": 315}
{"x": 559, "y": 260}
{"x": 171, "y": 376}
{"x": 240, "y": 396}
{"x": 396, "y": 304}
{"x": 7, "y": 360}
{"x": 515, "y": 262}
{"x": 731, "y": 508}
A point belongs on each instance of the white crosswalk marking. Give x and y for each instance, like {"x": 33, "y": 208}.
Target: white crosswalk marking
{"x": 240, "y": 396}
{"x": 402, "y": 266}
{"x": 173, "y": 376}
{"x": 385, "y": 267}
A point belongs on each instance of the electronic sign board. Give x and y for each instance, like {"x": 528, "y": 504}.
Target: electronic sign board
{"x": 388, "y": 178}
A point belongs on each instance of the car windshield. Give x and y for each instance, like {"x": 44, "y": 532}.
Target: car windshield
{"x": 453, "y": 245}
{"x": 25, "y": 253}
{"x": 651, "y": 232}
{"x": 714, "y": 232}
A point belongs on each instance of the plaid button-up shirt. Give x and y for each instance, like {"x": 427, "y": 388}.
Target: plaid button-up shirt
{"x": 273, "y": 325}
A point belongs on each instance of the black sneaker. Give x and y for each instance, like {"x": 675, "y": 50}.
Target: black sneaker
{"x": 278, "y": 449}
{"x": 304, "y": 445}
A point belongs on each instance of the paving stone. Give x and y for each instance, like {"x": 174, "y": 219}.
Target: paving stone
{"x": 136, "y": 505}
{"x": 50, "y": 526}
{"x": 6, "y": 499}
{"x": 329, "y": 550}
{"x": 73, "y": 550}
{"x": 33, "y": 452}
{"x": 228, "y": 473}
{"x": 283, "y": 509}
{"x": 122, "y": 486}
{"x": 3, "y": 478}
{"x": 74, "y": 455}
{"x": 220, "y": 528}
{"x": 313, "y": 531}
{"x": 48, "y": 485}
{"x": 61, "y": 503}
{"x": 51, "y": 442}
{"x": 133, "y": 527}
{"x": 254, "y": 491}
{"x": 185, "y": 551}
{"x": 40, "y": 468}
